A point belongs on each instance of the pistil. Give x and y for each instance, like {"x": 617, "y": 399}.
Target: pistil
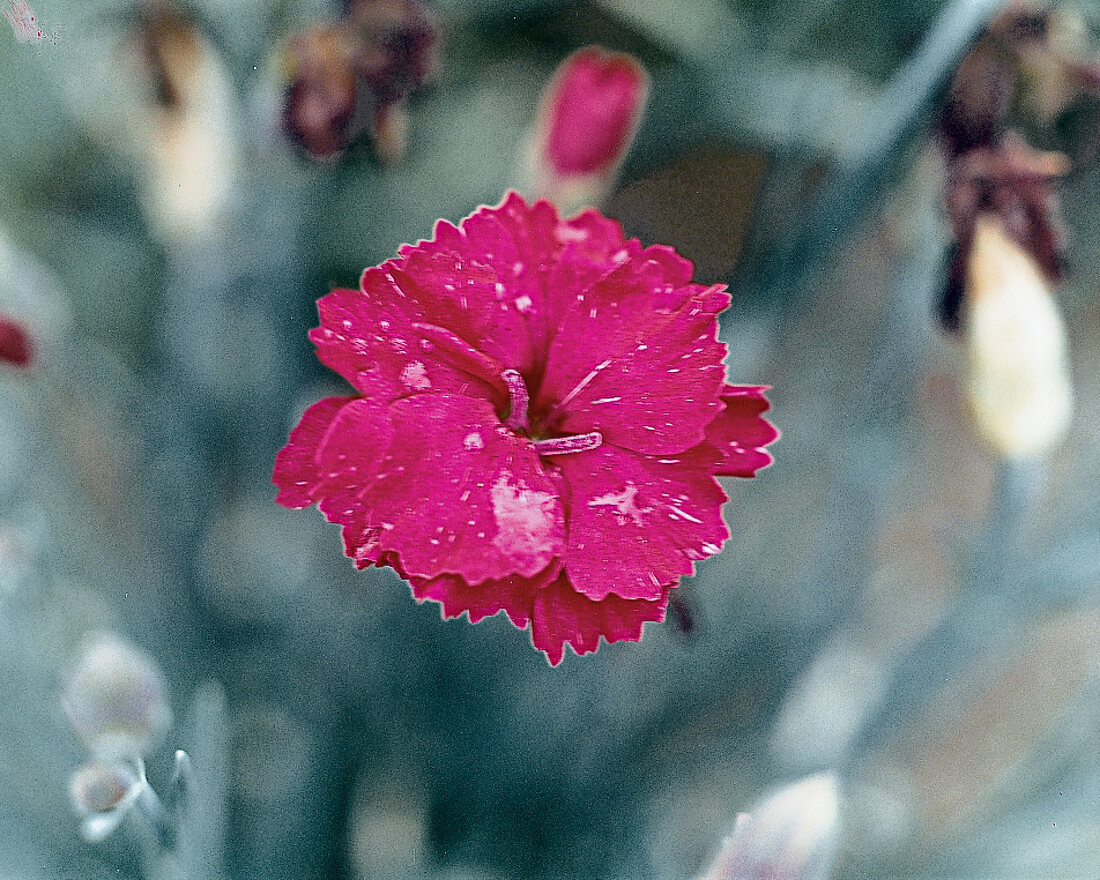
{"x": 517, "y": 420}
{"x": 517, "y": 400}
{"x": 573, "y": 443}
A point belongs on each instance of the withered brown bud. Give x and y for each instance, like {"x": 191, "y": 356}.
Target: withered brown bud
{"x": 322, "y": 95}
{"x": 980, "y": 99}
{"x": 352, "y": 77}
{"x": 1014, "y": 183}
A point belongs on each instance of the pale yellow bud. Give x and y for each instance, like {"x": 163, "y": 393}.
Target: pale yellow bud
{"x": 186, "y": 139}
{"x": 1018, "y": 386}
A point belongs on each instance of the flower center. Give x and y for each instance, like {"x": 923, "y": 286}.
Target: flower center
{"x": 517, "y": 420}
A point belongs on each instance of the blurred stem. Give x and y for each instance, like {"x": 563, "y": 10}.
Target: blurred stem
{"x": 874, "y": 155}
{"x": 991, "y": 608}
{"x": 202, "y": 828}
{"x": 1000, "y": 552}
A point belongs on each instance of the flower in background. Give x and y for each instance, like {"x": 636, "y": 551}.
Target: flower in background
{"x": 1018, "y": 385}
{"x": 186, "y": 134}
{"x": 1033, "y": 61}
{"x": 791, "y": 835}
{"x": 104, "y": 792}
{"x": 354, "y": 76}
{"x": 115, "y": 699}
{"x": 541, "y": 413}
{"x": 15, "y": 343}
{"x": 1010, "y": 239}
{"x": 587, "y": 118}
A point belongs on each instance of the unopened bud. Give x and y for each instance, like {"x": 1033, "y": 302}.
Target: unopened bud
{"x": 587, "y": 119}
{"x": 99, "y": 787}
{"x": 15, "y": 344}
{"x": 103, "y": 793}
{"x": 115, "y": 699}
{"x": 187, "y": 139}
{"x": 1018, "y": 385}
{"x": 790, "y": 835}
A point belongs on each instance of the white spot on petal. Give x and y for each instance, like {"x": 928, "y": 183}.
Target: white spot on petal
{"x": 526, "y": 522}
{"x": 415, "y": 376}
{"x": 624, "y": 503}
{"x": 473, "y": 441}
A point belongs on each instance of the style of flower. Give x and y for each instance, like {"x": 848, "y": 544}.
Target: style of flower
{"x": 539, "y": 420}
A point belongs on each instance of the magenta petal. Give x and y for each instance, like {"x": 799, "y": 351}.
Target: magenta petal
{"x": 514, "y": 595}
{"x": 636, "y": 523}
{"x": 460, "y": 494}
{"x": 563, "y": 616}
{"x": 517, "y": 243}
{"x": 471, "y": 300}
{"x": 652, "y": 384}
{"x": 740, "y": 433}
{"x": 349, "y": 457}
{"x": 296, "y": 470}
{"x": 372, "y": 338}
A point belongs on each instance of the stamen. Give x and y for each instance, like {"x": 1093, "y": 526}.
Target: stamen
{"x": 564, "y": 445}
{"x": 517, "y": 400}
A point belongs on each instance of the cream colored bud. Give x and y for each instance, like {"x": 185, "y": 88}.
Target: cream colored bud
{"x": 187, "y": 138}
{"x": 1018, "y": 385}
{"x": 115, "y": 699}
{"x": 790, "y": 835}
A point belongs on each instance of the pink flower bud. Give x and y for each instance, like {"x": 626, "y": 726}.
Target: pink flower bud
{"x": 592, "y": 109}
{"x": 15, "y": 343}
{"x": 587, "y": 119}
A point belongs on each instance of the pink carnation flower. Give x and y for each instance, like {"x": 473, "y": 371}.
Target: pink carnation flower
{"x": 541, "y": 412}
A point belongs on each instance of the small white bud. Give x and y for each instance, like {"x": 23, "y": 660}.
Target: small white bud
{"x": 103, "y": 792}
{"x": 1018, "y": 385}
{"x": 790, "y": 835}
{"x": 115, "y": 699}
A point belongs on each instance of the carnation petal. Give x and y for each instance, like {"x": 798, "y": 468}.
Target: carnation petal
{"x": 637, "y": 523}
{"x": 652, "y": 384}
{"x": 740, "y": 433}
{"x": 460, "y": 494}
{"x": 468, "y": 298}
{"x": 563, "y": 616}
{"x": 514, "y": 595}
{"x": 373, "y": 337}
{"x": 348, "y": 458}
{"x": 296, "y": 471}
{"x": 542, "y": 262}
